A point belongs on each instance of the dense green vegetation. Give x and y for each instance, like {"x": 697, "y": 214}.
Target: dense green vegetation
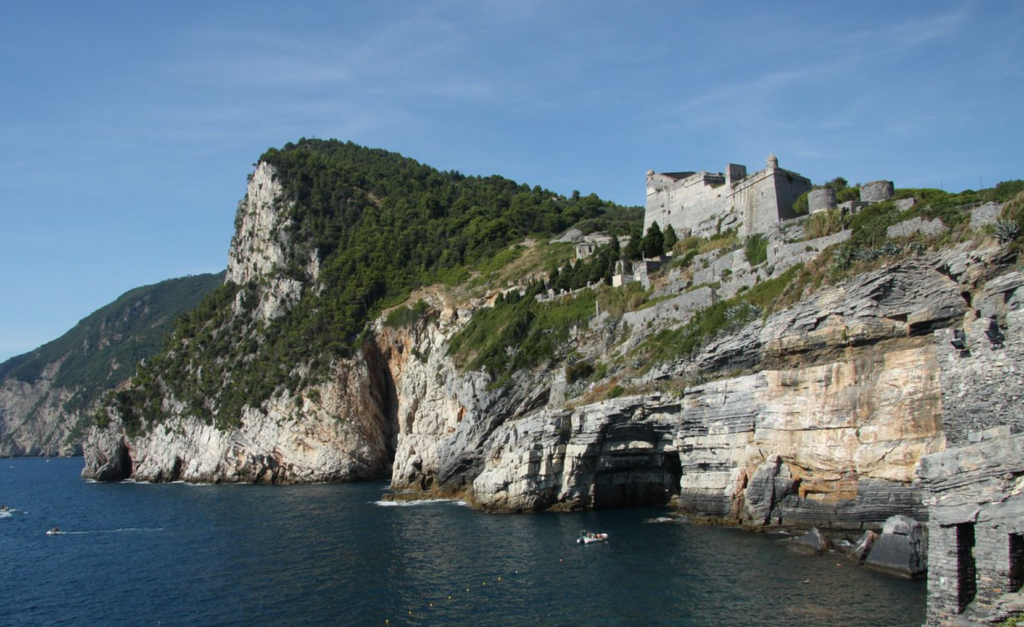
{"x": 102, "y": 350}
{"x": 756, "y": 249}
{"x": 841, "y": 187}
{"x": 381, "y": 226}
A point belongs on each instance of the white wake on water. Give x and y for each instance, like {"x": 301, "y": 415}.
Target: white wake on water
{"x": 416, "y": 503}
{"x": 126, "y": 529}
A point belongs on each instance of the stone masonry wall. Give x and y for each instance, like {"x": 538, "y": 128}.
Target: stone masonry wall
{"x": 697, "y": 204}
{"x": 975, "y": 497}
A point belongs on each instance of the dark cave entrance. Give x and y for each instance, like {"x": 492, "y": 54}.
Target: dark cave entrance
{"x": 634, "y": 480}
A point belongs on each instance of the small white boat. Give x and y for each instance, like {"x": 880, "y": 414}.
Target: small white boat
{"x": 587, "y": 538}
{"x": 54, "y": 532}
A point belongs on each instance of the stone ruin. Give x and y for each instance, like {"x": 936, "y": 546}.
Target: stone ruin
{"x": 821, "y": 199}
{"x": 975, "y": 498}
{"x": 876, "y": 191}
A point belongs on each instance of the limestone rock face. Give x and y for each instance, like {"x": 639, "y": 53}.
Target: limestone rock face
{"x": 836, "y": 441}
{"x": 613, "y": 453}
{"x": 817, "y": 414}
{"x": 260, "y": 246}
{"x": 32, "y": 420}
{"x": 441, "y": 414}
{"x": 107, "y": 458}
{"x": 338, "y": 433}
{"x": 811, "y": 543}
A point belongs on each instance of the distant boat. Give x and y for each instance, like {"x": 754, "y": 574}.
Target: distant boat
{"x": 587, "y": 538}
{"x": 54, "y": 532}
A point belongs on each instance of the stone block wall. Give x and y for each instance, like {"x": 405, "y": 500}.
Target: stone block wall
{"x": 985, "y": 214}
{"x": 704, "y": 203}
{"x": 697, "y": 203}
{"x": 914, "y": 226}
{"x": 782, "y": 256}
{"x": 676, "y": 310}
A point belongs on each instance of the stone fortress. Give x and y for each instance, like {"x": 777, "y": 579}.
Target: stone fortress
{"x": 706, "y": 203}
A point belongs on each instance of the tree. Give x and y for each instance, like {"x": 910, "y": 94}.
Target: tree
{"x": 633, "y": 251}
{"x": 654, "y": 242}
{"x": 670, "y": 237}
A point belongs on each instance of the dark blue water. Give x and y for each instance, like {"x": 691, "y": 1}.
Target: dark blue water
{"x": 139, "y": 554}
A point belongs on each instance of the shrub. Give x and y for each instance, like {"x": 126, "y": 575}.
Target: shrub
{"x": 405, "y": 316}
{"x": 824, "y": 223}
{"x": 756, "y": 249}
{"x": 1006, "y": 231}
{"x": 578, "y": 371}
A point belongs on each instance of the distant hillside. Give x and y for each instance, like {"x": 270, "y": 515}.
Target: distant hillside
{"x": 43, "y": 393}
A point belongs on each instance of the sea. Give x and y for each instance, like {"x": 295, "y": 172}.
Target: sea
{"x": 179, "y": 554}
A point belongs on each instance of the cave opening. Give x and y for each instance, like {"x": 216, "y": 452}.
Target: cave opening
{"x": 632, "y": 482}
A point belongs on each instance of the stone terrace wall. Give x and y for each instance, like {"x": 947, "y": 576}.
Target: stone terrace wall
{"x": 783, "y": 256}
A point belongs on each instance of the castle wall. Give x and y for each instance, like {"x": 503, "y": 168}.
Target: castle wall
{"x": 704, "y": 204}
{"x": 695, "y": 204}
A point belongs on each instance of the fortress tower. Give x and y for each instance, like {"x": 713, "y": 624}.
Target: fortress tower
{"x": 704, "y": 203}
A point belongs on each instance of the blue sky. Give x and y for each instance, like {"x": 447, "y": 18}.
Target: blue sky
{"x": 127, "y": 128}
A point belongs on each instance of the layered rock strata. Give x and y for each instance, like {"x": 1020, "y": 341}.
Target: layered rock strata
{"x": 817, "y": 414}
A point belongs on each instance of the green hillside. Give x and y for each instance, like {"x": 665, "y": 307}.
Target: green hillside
{"x": 381, "y": 225}
{"x": 102, "y": 350}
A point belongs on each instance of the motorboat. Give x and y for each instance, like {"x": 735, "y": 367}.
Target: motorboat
{"x": 587, "y": 537}
{"x": 54, "y": 532}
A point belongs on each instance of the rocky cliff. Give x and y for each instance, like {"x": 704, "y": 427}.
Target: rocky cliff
{"x": 817, "y": 412}
{"x": 47, "y": 395}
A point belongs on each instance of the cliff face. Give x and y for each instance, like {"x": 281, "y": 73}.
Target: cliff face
{"x": 31, "y": 418}
{"x": 341, "y": 429}
{"x": 47, "y": 394}
{"x": 816, "y": 413}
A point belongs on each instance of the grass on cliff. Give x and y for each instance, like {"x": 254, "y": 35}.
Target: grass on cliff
{"x": 520, "y": 333}
{"x": 716, "y": 319}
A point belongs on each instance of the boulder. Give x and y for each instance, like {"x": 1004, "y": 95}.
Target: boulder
{"x": 901, "y": 550}
{"x": 811, "y": 543}
{"x": 861, "y": 550}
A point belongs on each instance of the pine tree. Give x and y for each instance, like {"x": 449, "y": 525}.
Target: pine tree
{"x": 654, "y": 242}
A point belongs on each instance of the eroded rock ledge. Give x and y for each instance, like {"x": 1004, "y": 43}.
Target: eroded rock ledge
{"x": 815, "y": 415}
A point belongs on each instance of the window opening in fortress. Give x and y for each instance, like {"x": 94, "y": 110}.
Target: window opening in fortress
{"x": 1016, "y": 561}
{"x": 966, "y": 571}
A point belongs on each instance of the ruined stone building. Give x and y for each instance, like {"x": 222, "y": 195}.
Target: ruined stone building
{"x": 974, "y": 490}
{"x": 705, "y": 203}
{"x": 975, "y": 498}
